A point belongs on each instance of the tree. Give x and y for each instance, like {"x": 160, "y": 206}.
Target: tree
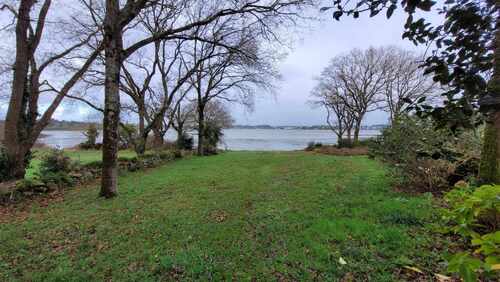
{"x": 183, "y": 118}
{"x": 91, "y": 133}
{"x": 115, "y": 22}
{"x": 340, "y": 118}
{"x": 217, "y": 117}
{"x": 231, "y": 76}
{"x": 31, "y": 67}
{"x": 358, "y": 79}
{"x": 406, "y": 83}
{"x": 466, "y": 60}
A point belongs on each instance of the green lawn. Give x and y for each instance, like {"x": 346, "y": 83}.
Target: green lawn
{"x": 82, "y": 156}
{"x": 236, "y": 216}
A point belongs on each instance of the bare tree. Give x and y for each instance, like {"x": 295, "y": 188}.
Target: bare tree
{"x": 360, "y": 78}
{"x": 116, "y": 20}
{"x": 406, "y": 82}
{"x": 231, "y": 76}
{"x": 32, "y": 66}
{"x": 183, "y": 119}
{"x": 339, "y": 116}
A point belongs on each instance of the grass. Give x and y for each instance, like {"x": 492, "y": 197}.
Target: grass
{"x": 82, "y": 156}
{"x": 236, "y": 216}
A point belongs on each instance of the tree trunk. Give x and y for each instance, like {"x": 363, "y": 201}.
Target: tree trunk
{"x": 357, "y": 128}
{"x": 158, "y": 139}
{"x": 489, "y": 170}
{"x": 14, "y": 122}
{"x": 113, "y": 48}
{"x": 201, "y": 130}
{"x": 496, "y": 123}
{"x": 180, "y": 133}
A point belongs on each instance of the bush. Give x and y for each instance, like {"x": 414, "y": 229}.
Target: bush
{"x": 56, "y": 161}
{"x": 127, "y": 134}
{"x": 55, "y": 168}
{"x": 426, "y": 158}
{"x": 91, "y": 133}
{"x": 313, "y": 145}
{"x": 185, "y": 142}
{"x": 213, "y": 135}
{"x": 474, "y": 214}
{"x": 345, "y": 143}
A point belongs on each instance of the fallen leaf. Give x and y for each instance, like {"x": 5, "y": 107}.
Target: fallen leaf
{"x": 412, "y": 268}
{"x": 442, "y": 278}
{"x": 342, "y": 261}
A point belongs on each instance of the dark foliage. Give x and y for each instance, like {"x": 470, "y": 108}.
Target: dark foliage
{"x": 55, "y": 168}
{"x": 428, "y": 160}
{"x": 185, "y": 142}
{"x": 213, "y": 135}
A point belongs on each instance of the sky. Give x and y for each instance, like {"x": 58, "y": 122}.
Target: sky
{"x": 324, "y": 40}
{"x": 314, "y": 45}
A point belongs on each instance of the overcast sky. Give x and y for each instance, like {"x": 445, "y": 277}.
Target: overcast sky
{"x": 315, "y": 46}
{"x": 307, "y": 59}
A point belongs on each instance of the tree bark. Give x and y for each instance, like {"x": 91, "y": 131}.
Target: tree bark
{"x": 496, "y": 122}
{"x": 201, "y": 130}
{"x": 357, "y": 128}
{"x": 158, "y": 139}
{"x": 489, "y": 171}
{"x": 14, "y": 121}
{"x": 113, "y": 49}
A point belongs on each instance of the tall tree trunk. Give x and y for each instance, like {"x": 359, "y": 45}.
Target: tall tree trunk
{"x": 142, "y": 138}
{"x": 357, "y": 128}
{"x": 496, "y": 122}
{"x": 489, "y": 171}
{"x": 113, "y": 48}
{"x": 180, "y": 134}
{"x": 201, "y": 130}
{"x": 158, "y": 140}
{"x": 14, "y": 121}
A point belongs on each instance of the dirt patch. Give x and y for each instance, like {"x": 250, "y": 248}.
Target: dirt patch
{"x": 333, "y": 150}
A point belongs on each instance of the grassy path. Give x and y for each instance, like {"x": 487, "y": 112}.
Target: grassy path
{"x": 236, "y": 216}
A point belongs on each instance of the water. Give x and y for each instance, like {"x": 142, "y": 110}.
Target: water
{"x": 234, "y": 139}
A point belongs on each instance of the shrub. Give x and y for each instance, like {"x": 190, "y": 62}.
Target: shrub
{"x": 55, "y": 161}
{"x": 55, "y": 168}
{"x": 213, "y": 135}
{"x": 313, "y": 145}
{"x": 91, "y": 133}
{"x": 427, "y": 159}
{"x": 185, "y": 142}
{"x": 344, "y": 143}
{"x": 474, "y": 214}
{"x": 127, "y": 134}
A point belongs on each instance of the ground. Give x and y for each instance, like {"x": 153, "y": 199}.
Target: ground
{"x": 235, "y": 216}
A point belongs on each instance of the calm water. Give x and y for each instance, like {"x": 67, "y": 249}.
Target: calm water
{"x": 234, "y": 139}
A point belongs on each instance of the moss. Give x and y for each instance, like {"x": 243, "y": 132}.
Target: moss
{"x": 489, "y": 167}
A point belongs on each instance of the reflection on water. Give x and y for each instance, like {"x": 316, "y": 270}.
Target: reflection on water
{"x": 234, "y": 139}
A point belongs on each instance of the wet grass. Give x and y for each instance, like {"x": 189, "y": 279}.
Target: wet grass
{"x": 236, "y": 216}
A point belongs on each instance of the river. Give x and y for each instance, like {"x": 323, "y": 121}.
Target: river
{"x": 234, "y": 139}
